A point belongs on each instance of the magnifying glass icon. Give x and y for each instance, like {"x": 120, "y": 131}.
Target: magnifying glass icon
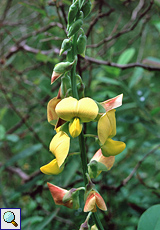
{"x": 9, "y": 217}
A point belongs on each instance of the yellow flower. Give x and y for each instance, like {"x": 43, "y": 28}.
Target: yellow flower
{"x": 51, "y": 168}
{"x": 70, "y": 109}
{"x": 107, "y": 130}
{"x": 59, "y": 146}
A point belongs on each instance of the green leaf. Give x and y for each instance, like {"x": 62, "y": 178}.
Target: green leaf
{"x": 25, "y": 153}
{"x": 44, "y": 58}
{"x": 113, "y": 70}
{"x": 157, "y": 227}
{"x": 46, "y": 221}
{"x": 35, "y": 8}
{"x": 155, "y": 110}
{"x": 31, "y": 220}
{"x": 150, "y": 219}
{"x": 136, "y": 77}
{"x": 109, "y": 80}
{"x": 156, "y": 23}
{"x": 12, "y": 137}
{"x": 70, "y": 173}
{"x": 2, "y": 132}
{"x": 126, "y": 56}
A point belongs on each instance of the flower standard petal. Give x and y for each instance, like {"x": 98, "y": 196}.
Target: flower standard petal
{"x": 51, "y": 168}
{"x": 59, "y": 146}
{"x": 66, "y": 109}
{"x": 112, "y": 103}
{"x": 107, "y": 126}
{"x": 87, "y": 109}
{"x": 51, "y": 114}
{"x": 112, "y": 148}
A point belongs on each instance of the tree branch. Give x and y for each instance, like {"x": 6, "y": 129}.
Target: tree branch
{"x": 125, "y": 181}
{"x": 123, "y": 67}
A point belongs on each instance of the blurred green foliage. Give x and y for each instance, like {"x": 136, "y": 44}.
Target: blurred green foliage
{"x": 31, "y": 34}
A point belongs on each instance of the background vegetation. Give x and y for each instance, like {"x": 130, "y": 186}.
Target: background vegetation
{"x": 123, "y": 56}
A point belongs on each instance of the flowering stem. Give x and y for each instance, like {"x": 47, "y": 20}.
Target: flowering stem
{"x": 85, "y": 170}
{"x": 97, "y": 221}
{"x": 81, "y": 136}
{"x": 83, "y": 157}
{"x": 73, "y": 70}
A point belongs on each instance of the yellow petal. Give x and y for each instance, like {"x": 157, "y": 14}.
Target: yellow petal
{"x": 59, "y": 146}
{"x": 112, "y": 103}
{"x": 66, "y": 109}
{"x": 51, "y": 114}
{"x": 87, "y": 109}
{"x": 51, "y": 168}
{"x": 112, "y": 148}
{"x": 107, "y": 126}
{"x": 75, "y": 127}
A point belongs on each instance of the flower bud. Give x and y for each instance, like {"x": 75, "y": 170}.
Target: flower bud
{"x": 94, "y": 199}
{"x": 81, "y": 45}
{"x": 66, "y": 44}
{"x": 65, "y": 85}
{"x": 94, "y": 227}
{"x": 86, "y": 8}
{"x": 75, "y": 127}
{"x": 84, "y": 226}
{"x": 75, "y": 27}
{"x": 73, "y": 10}
{"x": 60, "y": 69}
{"x": 80, "y": 15}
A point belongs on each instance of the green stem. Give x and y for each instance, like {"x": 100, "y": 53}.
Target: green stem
{"x": 97, "y": 221}
{"x": 83, "y": 157}
{"x": 73, "y": 70}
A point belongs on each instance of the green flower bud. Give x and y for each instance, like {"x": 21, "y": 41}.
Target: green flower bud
{"x": 86, "y": 8}
{"x": 65, "y": 85}
{"x": 81, "y": 45}
{"x": 75, "y": 27}
{"x": 73, "y": 10}
{"x": 66, "y": 44}
{"x": 60, "y": 69}
{"x": 80, "y": 15}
